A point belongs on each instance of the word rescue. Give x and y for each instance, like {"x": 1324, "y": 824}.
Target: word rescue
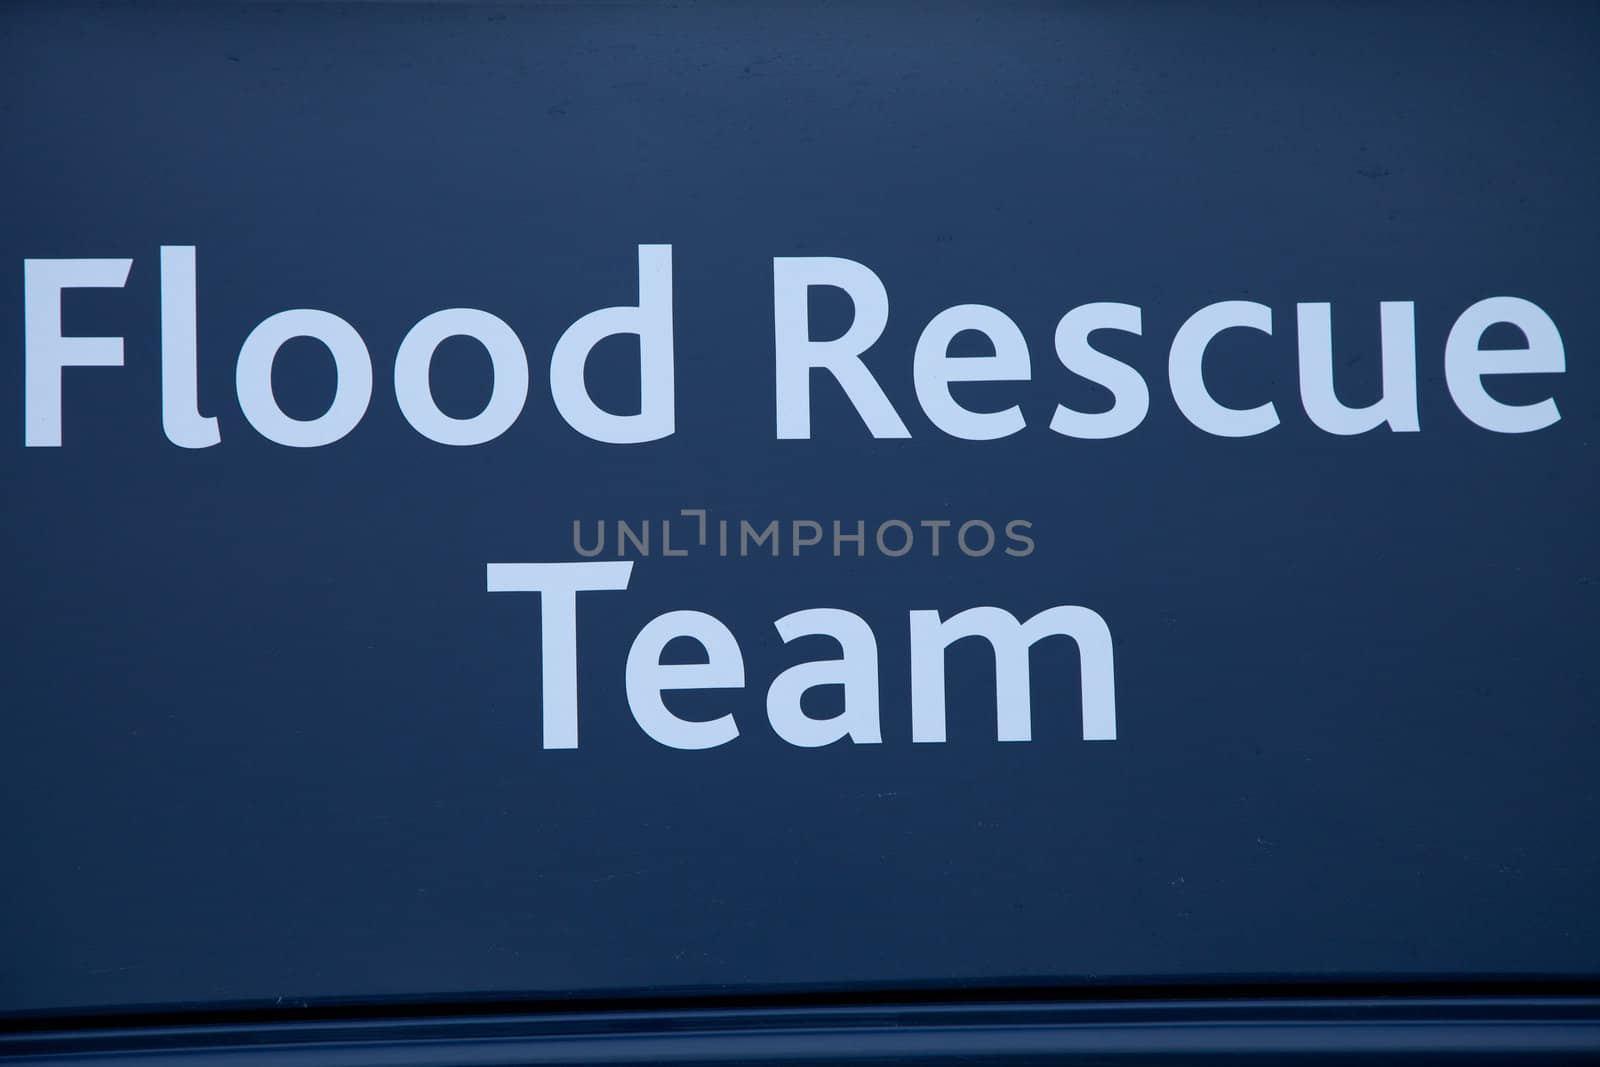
{"x": 799, "y": 362}
{"x": 856, "y": 670}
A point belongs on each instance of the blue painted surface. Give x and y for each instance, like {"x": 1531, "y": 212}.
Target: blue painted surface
{"x": 263, "y": 734}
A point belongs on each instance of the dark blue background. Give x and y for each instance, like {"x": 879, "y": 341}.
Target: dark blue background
{"x": 263, "y": 734}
